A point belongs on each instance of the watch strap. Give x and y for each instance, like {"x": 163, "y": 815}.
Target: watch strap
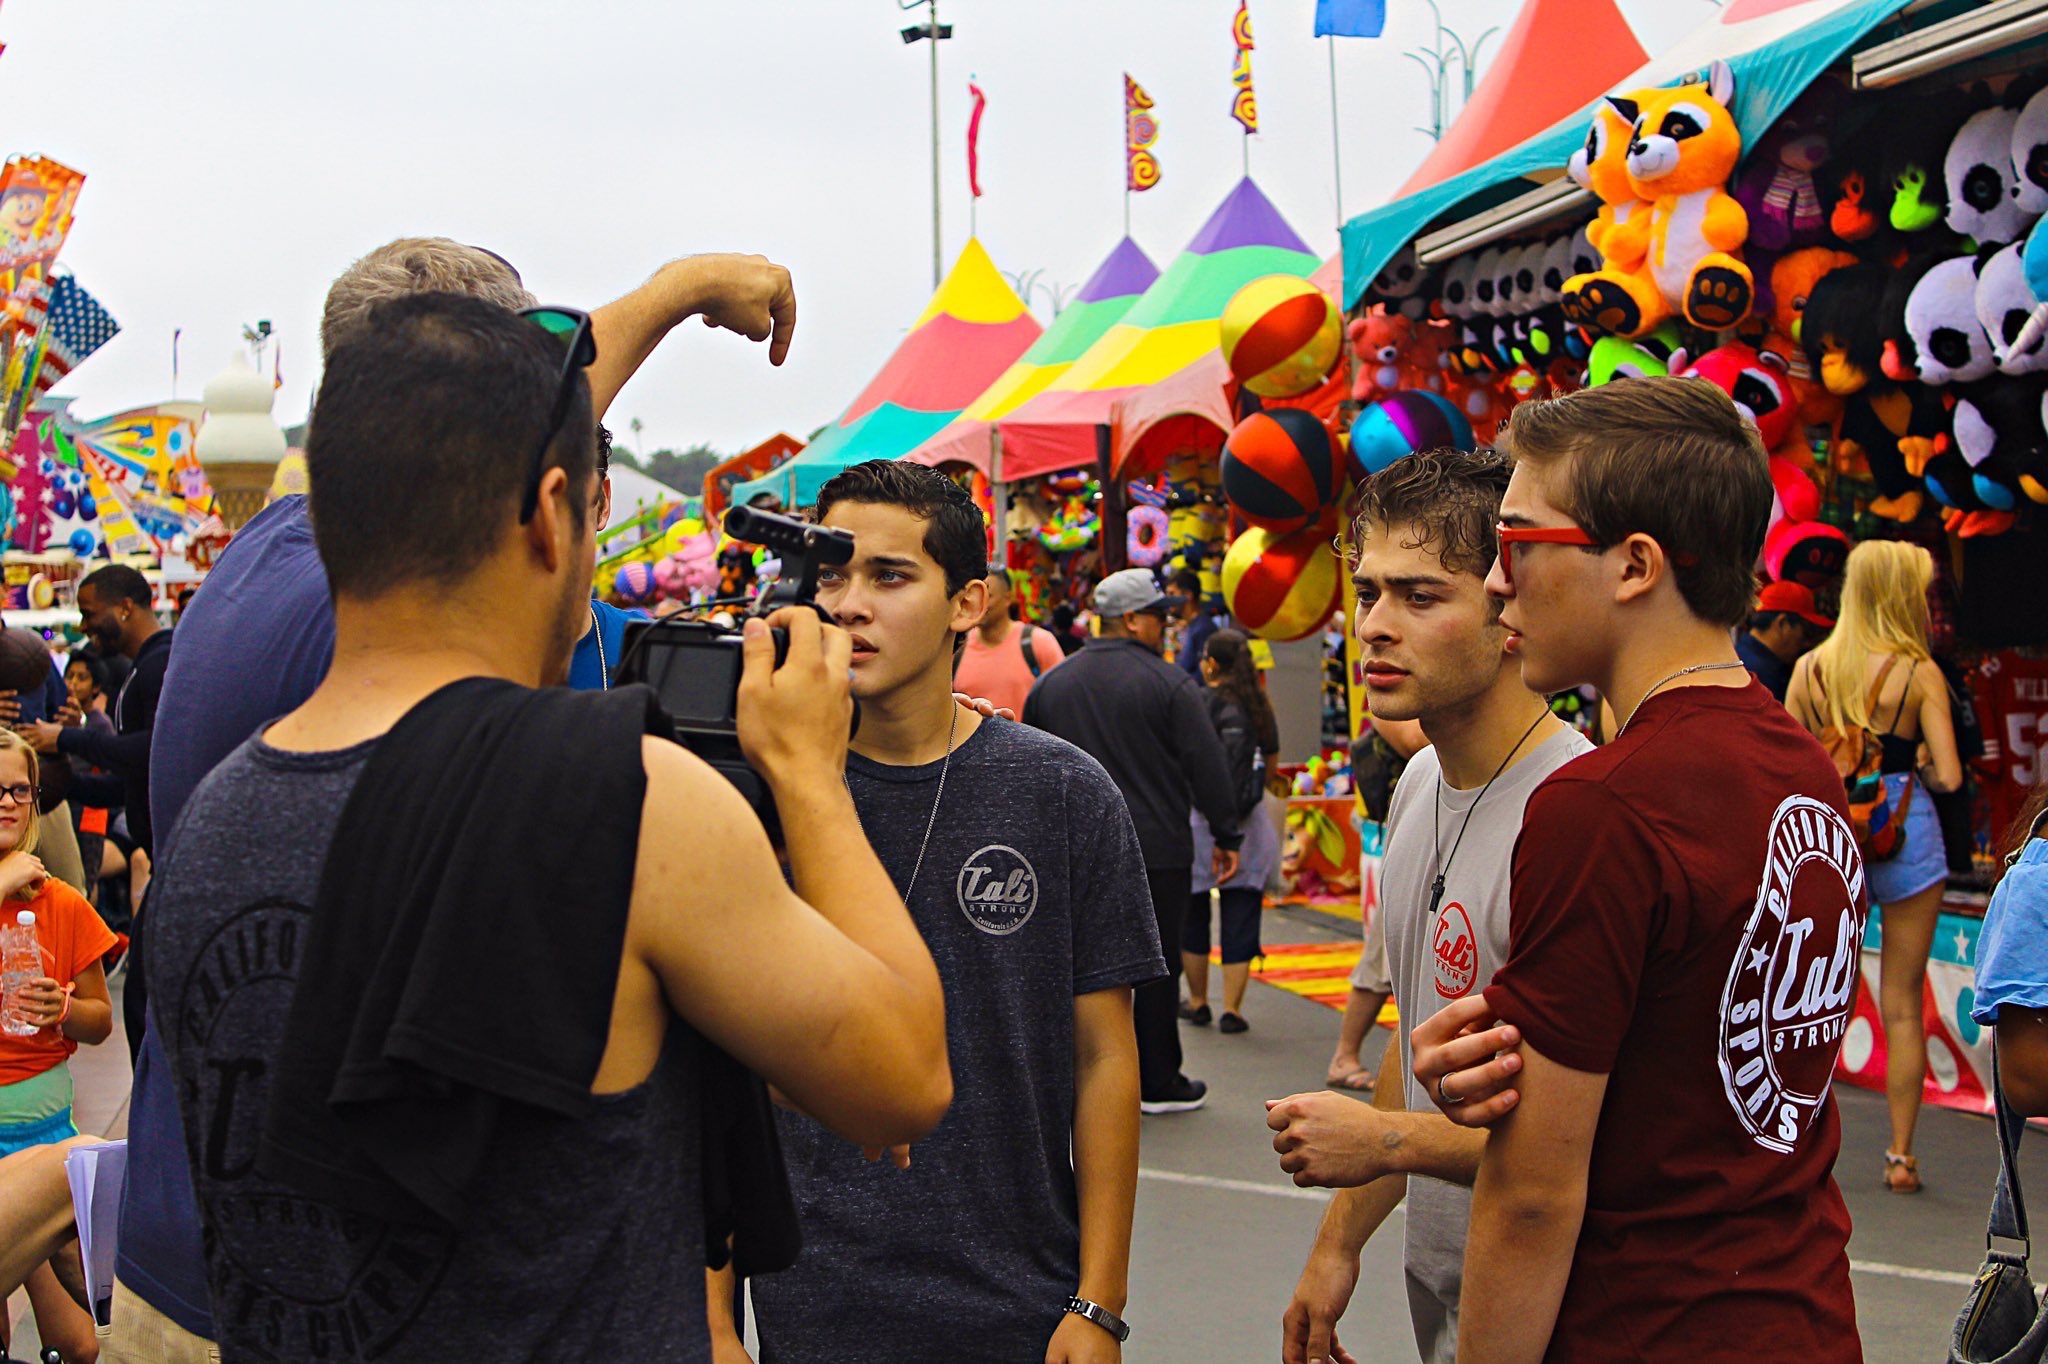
{"x": 1101, "y": 1316}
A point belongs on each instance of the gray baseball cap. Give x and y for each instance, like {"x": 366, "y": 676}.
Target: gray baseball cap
{"x": 1129, "y": 590}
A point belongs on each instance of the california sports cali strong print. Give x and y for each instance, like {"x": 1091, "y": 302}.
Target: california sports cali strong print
{"x": 1793, "y": 982}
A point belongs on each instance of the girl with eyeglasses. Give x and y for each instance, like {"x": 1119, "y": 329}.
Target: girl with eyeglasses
{"x": 68, "y": 1005}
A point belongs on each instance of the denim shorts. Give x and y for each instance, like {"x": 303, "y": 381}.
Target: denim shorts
{"x": 1923, "y": 861}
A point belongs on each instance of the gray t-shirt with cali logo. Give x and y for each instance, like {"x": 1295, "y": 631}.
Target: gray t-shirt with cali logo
{"x": 1437, "y": 959}
{"x": 1032, "y": 891}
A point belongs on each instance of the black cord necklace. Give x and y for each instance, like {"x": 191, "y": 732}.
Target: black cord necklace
{"x": 1436, "y": 889}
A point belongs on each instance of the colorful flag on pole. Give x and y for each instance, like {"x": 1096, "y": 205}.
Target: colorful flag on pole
{"x": 37, "y": 196}
{"x": 1141, "y": 130}
{"x": 78, "y": 326}
{"x": 974, "y": 139}
{"x": 1244, "y": 106}
{"x": 1351, "y": 18}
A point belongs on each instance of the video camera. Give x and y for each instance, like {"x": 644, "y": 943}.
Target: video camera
{"x": 694, "y": 666}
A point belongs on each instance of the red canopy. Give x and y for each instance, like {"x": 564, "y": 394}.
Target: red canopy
{"x": 1560, "y": 56}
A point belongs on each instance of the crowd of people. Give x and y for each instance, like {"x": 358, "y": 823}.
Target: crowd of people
{"x": 422, "y": 1076}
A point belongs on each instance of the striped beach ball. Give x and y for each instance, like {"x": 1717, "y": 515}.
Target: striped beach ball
{"x": 1281, "y": 336}
{"x": 1402, "y": 423}
{"x": 1282, "y": 587}
{"x": 1280, "y": 469}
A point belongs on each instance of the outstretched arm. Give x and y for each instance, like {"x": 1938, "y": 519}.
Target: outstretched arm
{"x": 750, "y": 295}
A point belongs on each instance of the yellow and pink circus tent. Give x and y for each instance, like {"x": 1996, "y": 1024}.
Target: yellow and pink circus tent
{"x": 970, "y": 332}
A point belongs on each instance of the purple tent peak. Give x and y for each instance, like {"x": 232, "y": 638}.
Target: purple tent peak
{"x": 1246, "y": 217}
{"x": 1126, "y": 273}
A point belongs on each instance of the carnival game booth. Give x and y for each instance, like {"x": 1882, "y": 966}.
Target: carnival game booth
{"x": 1831, "y": 209}
{"x": 972, "y": 330}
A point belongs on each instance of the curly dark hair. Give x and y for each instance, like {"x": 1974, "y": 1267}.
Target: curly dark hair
{"x": 1449, "y": 498}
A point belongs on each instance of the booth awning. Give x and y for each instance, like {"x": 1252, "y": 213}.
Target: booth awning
{"x": 970, "y": 332}
{"x": 1775, "y": 47}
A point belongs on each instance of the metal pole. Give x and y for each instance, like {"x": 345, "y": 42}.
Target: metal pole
{"x": 938, "y": 262}
{"x": 999, "y": 499}
{"x": 1336, "y": 153}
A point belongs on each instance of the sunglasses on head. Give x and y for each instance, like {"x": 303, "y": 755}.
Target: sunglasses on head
{"x": 579, "y": 349}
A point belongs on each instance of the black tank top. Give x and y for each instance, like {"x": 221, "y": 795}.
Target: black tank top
{"x": 1898, "y": 754}
{"x": 584, "y": 1236}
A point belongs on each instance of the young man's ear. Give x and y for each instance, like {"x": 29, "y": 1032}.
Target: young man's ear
{"x": 1642, "y": 566}
{"x": 971, "y": 605}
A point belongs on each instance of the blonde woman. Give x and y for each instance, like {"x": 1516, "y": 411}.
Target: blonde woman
{"x": 1875, "y": 672}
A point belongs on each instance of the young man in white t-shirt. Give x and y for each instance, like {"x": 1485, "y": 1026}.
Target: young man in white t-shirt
{"x": 1434, "y": 651}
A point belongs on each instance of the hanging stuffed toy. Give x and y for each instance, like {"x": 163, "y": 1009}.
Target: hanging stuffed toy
{"x": 2005, "y": 302}
{"x": 1685, "y": 148}
{"x": 1399, "y": 284}
{"x": 1941, "y": 341}
{"x": 2030, "y": 155}
{"x": 1793, "y": 277}
{"x": 1382, "y": 342}
{"x": 1618, "y": 297}
{"x": 1761, "y": 389}
{"x": 1983, "y": 203}
{"x": 1887, "y": 429}
{"x": 1777, "y": 188}
{"x": 1619, "y": 357}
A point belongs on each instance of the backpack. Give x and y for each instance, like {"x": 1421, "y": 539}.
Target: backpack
{"x": 1857, "y": 752}
{"x": 1030, "y": 654}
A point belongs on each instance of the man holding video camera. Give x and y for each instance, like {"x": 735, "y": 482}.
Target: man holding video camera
{"x": 257, "y": 640}
{"x": 381, "y": 1044}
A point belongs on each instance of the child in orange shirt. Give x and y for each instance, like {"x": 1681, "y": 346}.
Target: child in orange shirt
{"x": 69, "y": 1005}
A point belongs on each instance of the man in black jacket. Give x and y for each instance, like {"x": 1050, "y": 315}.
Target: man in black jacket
{"x": 1143, "y": 719}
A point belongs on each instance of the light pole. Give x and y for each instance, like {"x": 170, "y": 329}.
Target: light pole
{"x": 1436, "y": 61}
{"x": 934, "y": 32}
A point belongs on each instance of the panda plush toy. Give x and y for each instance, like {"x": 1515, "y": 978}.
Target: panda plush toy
{"x": 1984, "y": 204}
{"x": 2005, "y": 302}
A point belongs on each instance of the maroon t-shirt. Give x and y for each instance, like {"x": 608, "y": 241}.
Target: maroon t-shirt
{"x": 1687, "y": 910}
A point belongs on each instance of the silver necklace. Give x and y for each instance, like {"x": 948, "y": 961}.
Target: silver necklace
{"x": 931, "y": 820}
{"x": 604, "y": 669}
{"x": 1695, "y": 668}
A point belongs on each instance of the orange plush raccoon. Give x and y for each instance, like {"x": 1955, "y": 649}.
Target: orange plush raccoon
{"x": 1620, "y": 297}
{"x": 1685, "y": 147}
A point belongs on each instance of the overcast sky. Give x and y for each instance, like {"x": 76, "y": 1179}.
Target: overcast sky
{"x": 239, "y": 153}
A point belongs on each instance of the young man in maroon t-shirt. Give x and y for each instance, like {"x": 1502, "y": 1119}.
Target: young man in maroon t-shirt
{"x": 1686, "y": 907}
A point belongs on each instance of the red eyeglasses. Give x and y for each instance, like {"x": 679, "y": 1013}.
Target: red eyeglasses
{"x": 1537, "y": 535}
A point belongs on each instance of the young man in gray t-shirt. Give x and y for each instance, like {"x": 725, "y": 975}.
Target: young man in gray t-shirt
{"x": 1434, "y": 651}
{"x": 1009, "y": 1226}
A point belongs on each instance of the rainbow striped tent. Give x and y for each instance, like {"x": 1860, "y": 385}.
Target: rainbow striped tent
{"x": 1110, "y": 292}
{"x": 1158, "y": 350}
{"x": 967, "y": 336}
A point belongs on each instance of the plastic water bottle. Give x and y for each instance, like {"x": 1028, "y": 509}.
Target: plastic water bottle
{"x": 21, "y": 961}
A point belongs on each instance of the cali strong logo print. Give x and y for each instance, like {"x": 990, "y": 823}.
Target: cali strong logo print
{"x": 1793, "y": 981}
{"x": 997, "y": 889}
{"x": 1454, "y": 952}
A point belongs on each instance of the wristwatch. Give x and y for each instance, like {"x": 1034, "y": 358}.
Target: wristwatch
{"x": 1101, "y": 1316}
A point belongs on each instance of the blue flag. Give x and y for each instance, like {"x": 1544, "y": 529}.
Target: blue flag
{"x": 1351, "y": 18}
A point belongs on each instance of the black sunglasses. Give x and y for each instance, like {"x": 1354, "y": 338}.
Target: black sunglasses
{"x": 579, "y": 350}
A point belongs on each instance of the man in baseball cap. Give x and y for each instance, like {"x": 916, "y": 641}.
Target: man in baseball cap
{"x": 1145, "y": 721}
{"x": 1785, "y": 624}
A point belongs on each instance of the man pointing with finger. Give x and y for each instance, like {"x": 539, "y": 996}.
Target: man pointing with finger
{"x": 1433, "y": 651}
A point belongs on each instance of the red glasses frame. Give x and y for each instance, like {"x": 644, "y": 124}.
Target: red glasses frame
{"x": 1537, "y": 535}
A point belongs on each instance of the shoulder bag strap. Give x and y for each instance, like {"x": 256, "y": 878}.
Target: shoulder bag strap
{"x": 1024, "y": 643}
{"x": 2008, "y": 1205}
